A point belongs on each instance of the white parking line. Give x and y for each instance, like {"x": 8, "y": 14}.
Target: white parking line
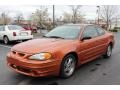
{"x": 5, "y": 46}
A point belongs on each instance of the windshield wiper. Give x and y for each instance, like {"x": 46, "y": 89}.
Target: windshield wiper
{"x": 54, "y": 37}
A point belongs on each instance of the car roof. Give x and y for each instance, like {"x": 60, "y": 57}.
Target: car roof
{"x": 9, "y": 25}
{"x": 83, "y": 25}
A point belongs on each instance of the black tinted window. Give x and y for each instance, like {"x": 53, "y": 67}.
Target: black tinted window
{"x": 90, "y": 31}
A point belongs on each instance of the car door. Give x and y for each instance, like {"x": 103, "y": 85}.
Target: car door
{"x": 101, "y": 40}
{"x": 1, "y": 32}
{"x": 87, "y": 48}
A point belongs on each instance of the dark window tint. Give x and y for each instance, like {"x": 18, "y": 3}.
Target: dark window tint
{"x": 90, "y": 31}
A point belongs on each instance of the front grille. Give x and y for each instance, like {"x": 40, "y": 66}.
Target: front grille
{"x": 13, "y": 52}
{"x": 20, "y": 54}
{"x": 22, "y": 69}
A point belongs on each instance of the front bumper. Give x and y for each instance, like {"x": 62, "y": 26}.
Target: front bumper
{"x": 34, "y": 68}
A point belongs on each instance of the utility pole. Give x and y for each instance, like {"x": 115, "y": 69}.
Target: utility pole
{"x": 98, "y": 11}
{"x": 53, "y": 16}
{"x": 3, "y": 18}
{"x": 116, "y": 22}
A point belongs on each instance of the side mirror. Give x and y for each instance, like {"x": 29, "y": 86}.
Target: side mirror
{"x": 86, "y": 38}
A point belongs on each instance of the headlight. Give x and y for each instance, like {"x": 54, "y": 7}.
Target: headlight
{"x": 41, "y": 56}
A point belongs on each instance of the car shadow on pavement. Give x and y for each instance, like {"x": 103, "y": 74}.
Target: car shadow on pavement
{"x": 90, "y": 67}
{"x": 10, "y": 43}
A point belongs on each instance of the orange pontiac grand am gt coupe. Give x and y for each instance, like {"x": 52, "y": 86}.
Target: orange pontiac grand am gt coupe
{"x": 61, "y": 50}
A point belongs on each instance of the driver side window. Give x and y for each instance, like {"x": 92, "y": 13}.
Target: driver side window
{"x": 90, "y": 31}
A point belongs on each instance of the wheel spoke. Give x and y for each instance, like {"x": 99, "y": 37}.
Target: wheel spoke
{"x": 70, "y": 61}
{"x": 69, "y": 66}
{"x": 109, "y": 51}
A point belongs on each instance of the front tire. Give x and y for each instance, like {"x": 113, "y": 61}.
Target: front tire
{"x": 68, "y": 66}
{"x": 108, "y": 52}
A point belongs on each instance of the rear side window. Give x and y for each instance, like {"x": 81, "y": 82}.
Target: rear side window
{"x": 90, "y": 31}
{"x": 100, "y": 31}
{"x": 15, "y": 27}
{"x": 2, "y": 28}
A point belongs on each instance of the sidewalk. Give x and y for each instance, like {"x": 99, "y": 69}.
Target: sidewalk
{"x": 37, "y": 35}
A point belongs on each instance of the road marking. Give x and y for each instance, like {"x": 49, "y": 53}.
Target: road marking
{"x": 25, "y": 82}
{"x": 6, "y": 46}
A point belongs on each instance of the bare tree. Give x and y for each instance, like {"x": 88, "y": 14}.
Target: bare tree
{"x": 4, "y": 18}
{"x": 108, "y": 13}
{"x": 74, "y": 16}
{"x": 41, "y": 16}
{"x": 75, "y": 12}
{"x": 67, "y": 18}
{"x": 19, "y": 17}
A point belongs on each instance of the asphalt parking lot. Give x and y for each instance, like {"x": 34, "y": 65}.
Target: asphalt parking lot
{"x": 98, "y": 72}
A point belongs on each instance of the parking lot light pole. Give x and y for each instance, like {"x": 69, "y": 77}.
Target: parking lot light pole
{"x": 3, "y": 17}
{"x": 116, "y": 22}
{"x": 98, "y": 13}
{"x": 53, "y": 16}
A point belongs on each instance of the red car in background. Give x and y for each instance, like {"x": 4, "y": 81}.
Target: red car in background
{"x": 29, "y": 27}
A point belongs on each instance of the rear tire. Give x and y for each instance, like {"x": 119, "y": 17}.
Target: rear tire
{"x": 108, "y": 52}
{"x": 68, "y": 66}
{"x": 5, "y": 40}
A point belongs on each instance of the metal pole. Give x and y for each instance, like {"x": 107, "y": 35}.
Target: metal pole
{"x": 53, "y": 16}
{"x": 3, "y": 17}
{"x": 116, "y": 22}
{"x": 98, "y": 13}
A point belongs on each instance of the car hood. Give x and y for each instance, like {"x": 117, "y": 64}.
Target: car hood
{"x": 41, "y": 45}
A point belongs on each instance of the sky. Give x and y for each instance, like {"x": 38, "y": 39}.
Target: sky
{"x": 88, "y": 10}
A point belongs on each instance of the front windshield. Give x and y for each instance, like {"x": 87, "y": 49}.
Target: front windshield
{"x": 66, "y": 32}
{"x": 15, "y": 27}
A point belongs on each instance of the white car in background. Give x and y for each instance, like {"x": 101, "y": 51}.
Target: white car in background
{"x": 14, "y": 33}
